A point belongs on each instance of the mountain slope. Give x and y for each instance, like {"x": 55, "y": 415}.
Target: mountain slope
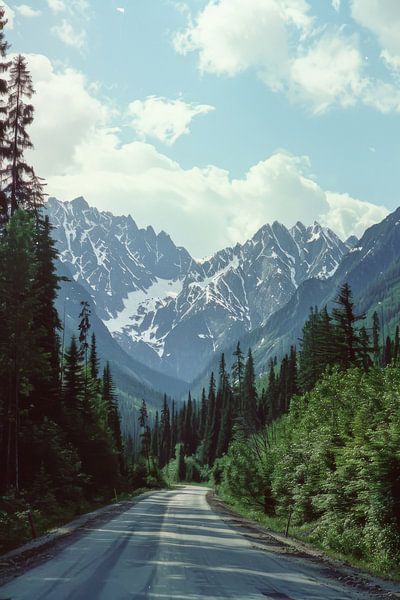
{"x": 170, "y": 311}
{"x": 134, "y": 378}
{"x": 371, "y": 267}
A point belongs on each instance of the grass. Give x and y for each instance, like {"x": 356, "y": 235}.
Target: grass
{"x": 302, "y": 533}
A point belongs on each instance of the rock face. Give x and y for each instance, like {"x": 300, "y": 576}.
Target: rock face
{"x": 170, "y": 311}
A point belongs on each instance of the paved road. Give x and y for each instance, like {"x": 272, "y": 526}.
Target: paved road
{"x": 171, "y": 545}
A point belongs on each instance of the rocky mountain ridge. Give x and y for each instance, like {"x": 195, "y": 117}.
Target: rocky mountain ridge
{"x": 171, "y": 311}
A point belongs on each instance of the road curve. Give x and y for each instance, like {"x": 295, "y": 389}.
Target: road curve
{"x": 170, "y": 545}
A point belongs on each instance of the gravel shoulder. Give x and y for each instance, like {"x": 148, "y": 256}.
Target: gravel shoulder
{"x": 267, "y": 540}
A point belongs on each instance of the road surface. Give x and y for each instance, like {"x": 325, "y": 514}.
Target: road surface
{"x": 172, "y": 546}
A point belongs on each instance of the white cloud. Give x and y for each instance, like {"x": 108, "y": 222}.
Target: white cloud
{"x": 66, "y": 113}
{"x": 329, "y": 73}
{"x": 336, "y": 5}
{"x": 121, "y": 10}
{"x": 382, "y": 17}
{"x": 164, "y": 119}
{"x": 78, "y": 152}
{"x": 27, "y": 11}
{"x": 57, "y": 5}
{"x": 349, "y": 215}
{"x": 232, "y": 36}
{"x": 9, "y": 14}
{"x": 280, "y": 41}
{"x": 69, "y": 35}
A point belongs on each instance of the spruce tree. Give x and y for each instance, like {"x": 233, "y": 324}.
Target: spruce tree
{"x": 165, "y": 434}
{"x": 237, "y": 375}
{"x": 347, "y": 339}
{"x": 46, "y": 393}
{"x": 375, "y": 337}
{"x": 19, "y": 176}
{"x": 396, "y": 347}
{"x": 250, "y": 400}
{"x": 94, "y": 361}
{"x": 109, "y": 398}
{"x": 4, "y": 144}
{"x": 21, "y": 356}
{"x": 84, "y": 326}
{"x": 208, "y": 436}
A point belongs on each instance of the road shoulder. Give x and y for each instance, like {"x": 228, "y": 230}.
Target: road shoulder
{"x": 31, "y": 554}
{"x": 269, "y": 541}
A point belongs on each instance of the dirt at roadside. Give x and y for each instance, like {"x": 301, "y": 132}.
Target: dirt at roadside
{"x": 264, "y": 539}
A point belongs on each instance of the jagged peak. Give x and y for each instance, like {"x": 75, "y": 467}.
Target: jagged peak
{"x": 80, "y": 203}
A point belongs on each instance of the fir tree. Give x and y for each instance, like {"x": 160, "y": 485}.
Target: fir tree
{"x": 237, "y": 375}
{"x": 375, "y": 337}
{"x": 94, "y": 361}
{"x": 347, "y": 339}
{"x": 250, "y": 400}
{"x": 18, "y": 174}
{"x": 165, "y": 434}
{"x": 110, "y": 400}
{"x": 4, "y": 145}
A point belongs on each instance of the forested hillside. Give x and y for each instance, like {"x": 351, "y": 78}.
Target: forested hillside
{"x": 314, "y": 444}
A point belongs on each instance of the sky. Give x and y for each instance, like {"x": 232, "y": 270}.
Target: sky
{"x": 209, "y": 118}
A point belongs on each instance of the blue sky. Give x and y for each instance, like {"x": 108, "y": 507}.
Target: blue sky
{"x": 207, "y": 119}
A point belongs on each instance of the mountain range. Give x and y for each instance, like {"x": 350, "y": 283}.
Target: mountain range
{"x": 170, "y": 313}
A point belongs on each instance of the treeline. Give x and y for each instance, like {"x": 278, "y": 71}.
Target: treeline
{"x": 316, "y": 447}
{"x": 60, "y": 439}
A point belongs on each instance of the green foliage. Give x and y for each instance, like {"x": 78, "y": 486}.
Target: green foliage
{"x": 333, "y": 462}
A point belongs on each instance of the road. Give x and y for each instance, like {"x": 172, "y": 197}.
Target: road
{"x": 171, "y": 545}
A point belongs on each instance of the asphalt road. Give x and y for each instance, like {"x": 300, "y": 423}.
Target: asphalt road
{"x": 171, "y": 545}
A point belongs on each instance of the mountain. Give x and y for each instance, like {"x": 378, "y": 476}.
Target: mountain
{"x": 371, "y": 267}
{"x": 135, "y": 379}
{"x": 170, "y": 311}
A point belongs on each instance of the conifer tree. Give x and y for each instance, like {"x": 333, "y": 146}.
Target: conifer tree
{"x": 19, "y": 176}
{"x": 203, "y": 414}
{"x": 396, "y": 347}
{"x": 110, "y": 400}
{"x": 84, "y": 326}
{"x": 271, "y": 410}
{"x": 94, "y": 361}
{"x": 250, "y": 399}
{"x": 46, "y": 386}
{"x": 347, "y": 338}
{"x": 145, "y": 434}
{"x": 21, "y": 356}
{"x": 208, "y": 436}
{"x": 155, "y": 439}
{"x": 387, "y": 354}
{"x": 73, "y": 386}
{"x": 165, "y": 434}
{"x": 375, "y": 337}
{"x": 4, "y": 145}
{"x": 237, "y": 375}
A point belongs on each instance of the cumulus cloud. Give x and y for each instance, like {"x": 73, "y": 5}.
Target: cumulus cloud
{"x": 232, "y": 36}
{"x": 120, "y": 10}
{"x": 382, "y": 18}
{"x": 57, "y": 5}
{"x": 348, "y": 215}
{"x": 56, "y": 135}
{"x": 202, "y": 208}
{"x": 336, "y": 4}
{"x": 280, "y": 41}
{"x": 69, "y": 35}
{"x": 27, "y": 11}
{"x": 164, "y": 119}
{"x": 329, "y": 72}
